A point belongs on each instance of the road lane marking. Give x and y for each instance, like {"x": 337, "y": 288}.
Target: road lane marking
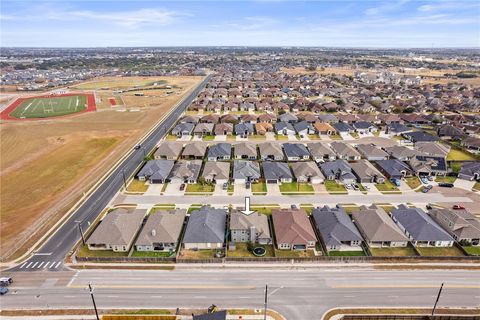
{"x": 120, "y": 286}
{"x": 359, "y": 286}
{"x": 156, "y": 297}
{"x": 40, "y": 265}
{"x": 46, "y": 265}
{"x": 112, "y": 296}
{"x": 53, "y": 263}
{"x": 59, "y": 262}
{"x": 43, "y": 254}
{"x": 22, "y": 265}
{"x": 69, "y": 296}
{"x": 28, "y": 265}
{"x": 34, "y": 264}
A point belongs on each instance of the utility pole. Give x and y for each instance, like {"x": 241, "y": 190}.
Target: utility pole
{"x": 266, "y": 302}
{"x": 81, "y": 232}
{"x": 438, "y": 298}
{"x": 124, "y": 179}
{"x": 93, "y": 300}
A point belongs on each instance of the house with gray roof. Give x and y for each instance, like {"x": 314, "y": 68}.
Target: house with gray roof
{"x": 337, "y": 231}
{"x": 328, "y": 117}
{"x": 219, "y": 151}
{"x": 161, "y": 231}
{"x": 345, "y": 151}
{"x": 321, "y": 152}
{"x": 245, "y": 171}
{"x": 432, "y": 149}
{"x": 366, "y": 172}
{"x": 244, "y": 129}
{"x": 377, "y": 228}
{"x": 117, "y": 230}
{"x": 156, "y": 171}
{"x": 270, "y": 152}
{"x": 470, "y": 171}
{"x": 245, "y": 150}
{"x": 183, "y": 129}
{"x": 287, "y": 117}
{"x": 395, "y": 129}
{"x": 460, "y": 224}
{"x": 343, "y": 128}
{"x": 338, "y": 170}
{"x": 168, "y": 150}
{"x": 216, "y": 172}
{"x": 303, "y": 128}
{"x": 394, "y": 169}
{"x": 429, "y": 165}
{"x": 401, "y": 153}
{"x": 364, "y": 127}
{"x": 296, "y": 152}
{"x": 371, "y": 152}
{"x": 249, "y": 228}
{"x": 205, "y": 229}
{"x": 186, "y": 171}
{"x": 194, "y": 150}
{"x": 419, "y": 136}
{"x": 284, "y": 128}
{"x": 420, "y": 228}
{"x": 307, "y": 172}
{"x": 276, "y": 172}
{"x": 203, "y": 129}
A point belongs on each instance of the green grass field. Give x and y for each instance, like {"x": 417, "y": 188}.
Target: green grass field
{"x": 50, "y": 107}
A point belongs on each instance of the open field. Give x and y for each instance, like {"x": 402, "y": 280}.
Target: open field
{"x": 47, "y": 165}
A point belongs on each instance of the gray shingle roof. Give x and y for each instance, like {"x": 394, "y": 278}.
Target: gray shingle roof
{"x": 335, "y": 226}
{"x": 276, "y": 170}
{"x": 206, "y": 225}
{"x": 162, "y": 227}
{"x": 243, "y": 169}
{"x": 220, "y": 150}
{"x": 156, "y": 169}
{"x": 295, "y": 150}
{"x": 376, "y": 225}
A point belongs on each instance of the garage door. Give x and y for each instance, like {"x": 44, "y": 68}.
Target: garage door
{"x": 272, "y": 181}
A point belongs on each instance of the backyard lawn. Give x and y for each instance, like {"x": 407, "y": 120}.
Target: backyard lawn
{"x": 302, "y": 188}
{"x": 460, "y": 155}
{"x": 333, "y": 187}
{"x": 473, "y": 251}
{"x": 151, "y": 254}
{"x": 259, "y": 188}
{"x": 198, "y": 254}
{"x": 346, "y": 254}
{"x": 447, "y": 179}
{"x": 387, "y": 187}
{"x": 336, "y": 137}
{"x": 241, "y": 251}
{"x": 350, "y": 209}
{"x": 281, "y": 137}
{"x": 137, "y": 186}
{"x": 413, "y": 182}
{"x": 197, "y": 187}
{"x": 408, "y": 251}
{"x": 294, "y": 253}
{"x": 440, "y": 252}
{"x": 85, "y": 252}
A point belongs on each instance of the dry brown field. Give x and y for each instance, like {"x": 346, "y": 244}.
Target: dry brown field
{"x": 46, "y": 165}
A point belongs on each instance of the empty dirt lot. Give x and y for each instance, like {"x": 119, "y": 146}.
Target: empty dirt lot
{"x": 46, "y": 165}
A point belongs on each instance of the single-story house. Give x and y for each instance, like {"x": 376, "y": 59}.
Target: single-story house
{"x": 371, "y": 152}
{"x": 194, "y": 151}
{"x": 449, "y": 132}
{"x": 190, "y": 119}
{"x": 377, "y": 228}
{"x": 363, "y": 127}
{"x": 216, "y": 172}
{"x": 366, "y": 172}
{"x": 185, "y": 171}
{"x": 156, "y": 171}
{"x": 303, "y": 128}
{"x": 337, "y": 231}
{"x": 420, "y": 228}
{"x": 287, "y": 117}
{"x": 401, "y": 153}
{"x": 117, "y": 230}
{"x": 168, "y": 150}
{"x": 432, "y": 149}
{"x": 308, "y": 172}
{"x": 345, "y": 151}
{"x": 277, "y": 172}
{"x": 249, "y": 228}
{"x": 270, "y": 151}
{"x": 202, "y": 129}
{"x": 244, "y": 129}
{"x": 343, "y": 128}
{"x": 419, "y": 136}
{"x": 293, "y": 230}
{"x": 324, "y": 128}
{"x": 328, "y": 118}
{"x": 219, "y": 151}
{"x": 428, "y": 165}
{"x": 471, "y": 143}
{"x": 217, "y": 315}
{"x": 321, "y": 152}
{"x": 224, "y": 129}
{"x": 296, "y": 151}
{"x": 284, "y": 128}
{"x": 394, "y": 169}
{"x": 263, "y": 127}
{"x": 470, "y": 171}
{"x": 161, "y": 231}
{"x": 245, "y": 150}
{"x": 183, "y": 129}
{"x": 395, "y": 129}
{"x": 205, "y": 229}
{"x": 245, "y": 171}
{"x": 460, "y": 224}
{"x": 338, "y": 170}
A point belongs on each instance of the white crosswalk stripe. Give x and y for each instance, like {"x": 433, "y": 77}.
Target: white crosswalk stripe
{"x": 46, "y": 265}
{"x": 40, "y": 265}
{"x": 28, "y": 265}
{"x": 53, "y": 264}
{"x": 59, "y": 262}
{"x": 23, "y": 265}
{"x": 34, "y": 264}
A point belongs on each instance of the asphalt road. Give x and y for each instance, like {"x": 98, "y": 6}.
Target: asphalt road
{"x": 51, "y": 254}
{"x": 298, "y": 293}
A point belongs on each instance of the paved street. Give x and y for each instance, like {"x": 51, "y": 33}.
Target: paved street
{"x": 299, "y": 293}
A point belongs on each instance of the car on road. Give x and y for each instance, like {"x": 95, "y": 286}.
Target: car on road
{"x": 429, "y": 206}
{"x": 427, "y": 188}
{"x": 5, "y": 281}
{"x": 182, "y": 187}
{"x": 225, "y": 186}
{"x": 458, "y": 207}
{"x": 137, "y": 147}
{"x": 446, "y": 185}
{"x": 3, "y": 290}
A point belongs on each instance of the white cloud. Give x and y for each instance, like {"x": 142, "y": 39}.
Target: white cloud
{"x": 387, "y": 7}
{"x": 441, "y": 6}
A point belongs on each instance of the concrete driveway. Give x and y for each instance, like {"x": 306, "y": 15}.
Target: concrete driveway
{"x": 270, "y": 136}
{"x": 154, "y": 189}
{"x": 173, "y": 189}
{"x": 273, "y": 189}
{"x": 185, "y": 138}
{"x": 240, "y": 190}
{"x": 464, "y": 184}
{"x": 220, "y": 137}
{"x": 372, "y": 188}
{"x": 292, "y": 137}
{"x": 219, "y": 190}
{"x": 325, "y": 137}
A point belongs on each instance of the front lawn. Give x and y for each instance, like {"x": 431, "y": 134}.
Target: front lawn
{"x": 281, "y": 137}
{"x": 257, "y": 137}
{"x": 446, "y": 179}
{"x": 408, "y": 251}
{"x": 476, "y": 186}
{"x": 259, "y": 188}
{"x": 85, "y": 252}
{"x": 387, "y": 187}
{"x": 460, "y": 155}
{"x": 355, "y": 135}
{"x": 346, "y": 254}
{"x": 171, "y": 137}
{"x": 137, "y": 186}
{"x": 336, "y": 137}
{"x": 413, "y": 182}
{"x": 294, "y": 253}
{"x": 471, "y": 250}
{"x": 241, "y": 251}
{"x": 314, "y": 137}
{"x": 333, "y": 187}
{"x": 197, "y": 187}
{"x": 208, "y": 138}
{"x": 440, "y": 252}
{"x": 294, "y": 187}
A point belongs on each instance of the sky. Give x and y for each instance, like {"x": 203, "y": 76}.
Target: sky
{"x": 361, "y": 23}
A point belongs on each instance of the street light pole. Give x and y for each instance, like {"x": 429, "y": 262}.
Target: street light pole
{"x": 438, "y": 298}
{"x": 266, "y": 302}
{"x": 93, "y": 300}
{"x": 81, "y": 232}
{"x": 124, "y": 179}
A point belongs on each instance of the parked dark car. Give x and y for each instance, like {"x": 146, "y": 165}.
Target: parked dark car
{"x": 137, "y": 147}
{"x": 225, "y": 186}
{"x": 427, "y": 188}
{"x": 458, "y": 207}
{"x": 182, "y": 187}
{"x": 3, "y": 290}
{"x": 445, "y": 184}
{"x": 247, "y": 185}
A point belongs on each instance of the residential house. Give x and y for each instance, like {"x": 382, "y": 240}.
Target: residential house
{"x": 190, "y": 119}
{"x": 183, "y": 129}
{"x": 245, "y": 150}
{"x": 156, "y": 171}
{"x": 284, "y": 128}
{"x": 401, "y": 153}
{"x": 276, "y": 172}
{"x": 460, "y": 224}
{"x": 263, "y": 127}
{"x": 117, "y": 230}
{"x": 449, "y": 132}
{"x": 217, "y": 172}
{"x": 168, "y": 150}
{"x": 249, "y": 228}
{"x": 337, "y": 231}
{"x": 217, "y": 315}
{"x": 185, "y": 171}
{"x": 161, "y": 231}
{"x": 323, "y": 128}
{"x": 394, "y": 169}
{"x": 364, "y": 127}
{"x": 287, "y": 117}
{"x": 377, "y": 228}
{"x": 225, "y": 129}
{"x": 470, "y": 171}
{"x": 303, "y": 128}
{"x": 338, "y": 170}
{"x": 395, "y": 129}
{"x": 307, "y": 172}
{"x": 248, "y": 118}
{"x": 210, "y": 118}
{"x": 429, "y": 165}
{"x": 328, "y": 118}
{"x": 205, "y": 229}
{"x": 420, "y": 228}
{"x": 321, "y": 152}
{"x": 472, "y": 144}
{"x": 372, "y": 153}
{"x": 419, "y": 136}
{"x": 366, "y": 172}
{"x": 270, "y": 151}
{"x": 219, "y": 151}
{"x": 203, "y": 129}
{"x": 343, "y": 128}
{"x": 245, "y": 171}
{"x": 296, "y": 151}
{"x": 293, "y": 230}
{"x": 229, "y": 118}
{"x": 345, "y": 151}
{"x": 244, "y": 129}
{"x": 194, "y": 151}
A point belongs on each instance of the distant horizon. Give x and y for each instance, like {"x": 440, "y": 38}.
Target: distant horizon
{"x": 258, "y": 23}
{"x": 245, "y": 47}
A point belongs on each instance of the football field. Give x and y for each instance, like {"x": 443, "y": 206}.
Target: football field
{"x": 50, "y": 106}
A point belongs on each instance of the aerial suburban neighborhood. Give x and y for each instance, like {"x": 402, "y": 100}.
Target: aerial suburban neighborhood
{"x": 264, "y": 162}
